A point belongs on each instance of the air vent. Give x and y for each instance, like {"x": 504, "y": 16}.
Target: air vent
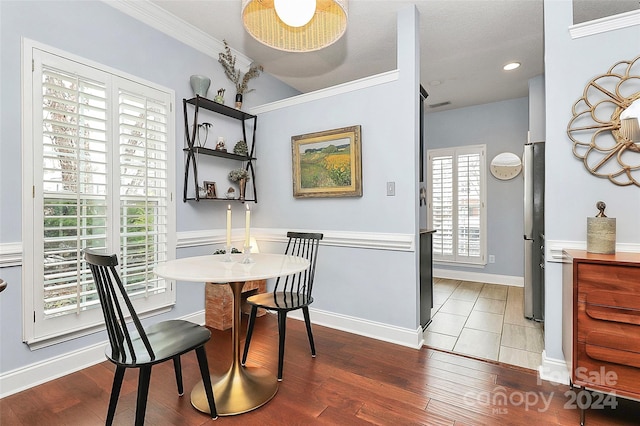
{"x": 441, "y": 104}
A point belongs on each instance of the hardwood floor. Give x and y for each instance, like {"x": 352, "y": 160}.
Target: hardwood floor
{"x": 353, "y": 380}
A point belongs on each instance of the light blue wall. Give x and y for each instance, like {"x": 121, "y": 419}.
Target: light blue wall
{"x": 571, "y": 191}
{"x": 377, "y": 285}
{"x": 502, "y": 126}
{"x": 361, "y": 288}
{"x": 374, "y": 285}
{"x": 96, "y": 31}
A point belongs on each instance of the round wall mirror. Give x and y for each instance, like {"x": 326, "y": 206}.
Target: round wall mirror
{"x": 505, "y": 166}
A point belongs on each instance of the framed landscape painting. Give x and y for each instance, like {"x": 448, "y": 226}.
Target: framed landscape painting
{"x": 328, "y": 163}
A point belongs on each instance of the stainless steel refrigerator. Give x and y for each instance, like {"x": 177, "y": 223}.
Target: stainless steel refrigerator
{"x": 533, "y": 169}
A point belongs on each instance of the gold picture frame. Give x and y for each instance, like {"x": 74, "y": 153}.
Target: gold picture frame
{"x": 327, "y": 163}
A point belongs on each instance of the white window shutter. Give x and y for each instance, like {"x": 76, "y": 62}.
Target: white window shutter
{"x": 457, "y": 204}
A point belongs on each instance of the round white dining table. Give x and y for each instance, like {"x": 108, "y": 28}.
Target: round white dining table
{"x": 241, "y": 388}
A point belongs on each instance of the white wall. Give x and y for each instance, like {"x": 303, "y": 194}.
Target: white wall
{"x": 571, "y": 191}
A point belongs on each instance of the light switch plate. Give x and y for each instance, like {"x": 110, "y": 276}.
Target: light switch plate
{"x": 391, "y": 189}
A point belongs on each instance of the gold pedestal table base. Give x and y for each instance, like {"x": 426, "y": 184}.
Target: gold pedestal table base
{"x": 240, "y": 389}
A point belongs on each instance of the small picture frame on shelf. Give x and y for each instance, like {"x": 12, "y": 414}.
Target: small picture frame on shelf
{"x": 210, "y": 189}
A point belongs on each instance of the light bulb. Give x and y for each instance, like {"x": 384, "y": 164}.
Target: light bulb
{"x": 295, "y": 13}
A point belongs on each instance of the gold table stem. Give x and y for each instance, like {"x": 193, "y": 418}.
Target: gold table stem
{"x": 240, "y": 389}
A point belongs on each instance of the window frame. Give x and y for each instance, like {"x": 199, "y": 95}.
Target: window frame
{"x": 455, "y": 153}
{"x": 37, "y": 330}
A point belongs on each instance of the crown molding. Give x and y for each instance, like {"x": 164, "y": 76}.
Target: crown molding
{"x": 603, "y": 25}
{"x": 350, "y": 86}
{"x": 158, "y": 18}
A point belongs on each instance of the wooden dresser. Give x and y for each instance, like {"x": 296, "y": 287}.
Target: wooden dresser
{"x": 601, "y": 321}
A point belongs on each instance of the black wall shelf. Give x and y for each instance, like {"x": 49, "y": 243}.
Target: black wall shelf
{"x": 191, "y": 164}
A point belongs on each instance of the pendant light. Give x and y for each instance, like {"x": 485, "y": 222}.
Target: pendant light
{"x": 295, "y": 25}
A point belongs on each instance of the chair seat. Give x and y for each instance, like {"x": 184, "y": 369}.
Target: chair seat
{"x": 167, "y": 338}
{"x": 280, "y": 301}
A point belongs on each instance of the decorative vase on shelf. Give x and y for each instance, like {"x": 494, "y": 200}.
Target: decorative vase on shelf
{"x": 242, "y": 185}
{"x": 200, "y": 85}
{"x": 238, "y": 100}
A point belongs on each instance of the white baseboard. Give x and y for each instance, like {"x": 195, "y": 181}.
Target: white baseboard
{"x": 553, "y": 370}
{"x": 479, "y": 277}
{"x": 41, "y": 372}
{"x": 375, "y": 330}
{"x": 35, "y": 374}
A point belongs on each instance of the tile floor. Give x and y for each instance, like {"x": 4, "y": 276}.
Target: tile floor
{"x": 484, "y": 320}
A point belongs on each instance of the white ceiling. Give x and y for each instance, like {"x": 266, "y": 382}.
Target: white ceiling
{"x": 464, "y": 44}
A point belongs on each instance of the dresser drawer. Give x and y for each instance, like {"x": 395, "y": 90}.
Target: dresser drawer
{"x": 613, "y": 306}
{"x": 613, "y": 348}
{"x": 620, "y": 320}
{"x": 609, "y": 278}
{"x": 605, "y": 376}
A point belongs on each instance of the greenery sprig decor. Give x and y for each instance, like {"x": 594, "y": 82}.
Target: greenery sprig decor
{"x": 240, "y": 80}
{"x": 237, "y": 174}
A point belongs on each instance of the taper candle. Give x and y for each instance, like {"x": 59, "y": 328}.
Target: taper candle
{"x": 247, "y": 223}
{"x": 229, "y": 225}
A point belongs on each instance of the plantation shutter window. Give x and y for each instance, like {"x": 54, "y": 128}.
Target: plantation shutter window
{"x": 74, "y": 187}
{"x": 456, "y": 208}
{"x": 143, "y": 192}
{"x": 101, "y": 164}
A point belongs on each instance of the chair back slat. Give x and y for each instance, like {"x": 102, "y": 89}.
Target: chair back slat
{"x": 113, "y": 295}
{"x": 301, "y": 244}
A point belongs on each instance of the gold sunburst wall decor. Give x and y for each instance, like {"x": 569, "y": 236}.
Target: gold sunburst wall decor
{"x": 608, "y": 149}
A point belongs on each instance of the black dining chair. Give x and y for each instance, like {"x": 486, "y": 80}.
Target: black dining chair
{"x": 291, "y": 292}
{"x": 142, "y": 347}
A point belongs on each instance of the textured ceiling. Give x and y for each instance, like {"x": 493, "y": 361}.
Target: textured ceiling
{"x": 464, "y": 44}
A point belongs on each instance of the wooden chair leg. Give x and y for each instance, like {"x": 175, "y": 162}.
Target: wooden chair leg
{"x": 143, "y": 391}
{"x": 282, "y": 331}
{"x": 206, "y": 380}
{"x": 307, "y": 321}
{"x": 115, "y": 393}
{"x": 247, "y": 341}
{"x": 177, "y": 366}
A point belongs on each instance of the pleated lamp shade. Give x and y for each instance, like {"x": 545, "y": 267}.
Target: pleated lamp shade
{"x": 327, "y": 25}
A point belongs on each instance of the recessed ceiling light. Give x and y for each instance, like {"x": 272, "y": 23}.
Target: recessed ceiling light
{"x": 435, "y": 83}
{"x": 511, "y": 66}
